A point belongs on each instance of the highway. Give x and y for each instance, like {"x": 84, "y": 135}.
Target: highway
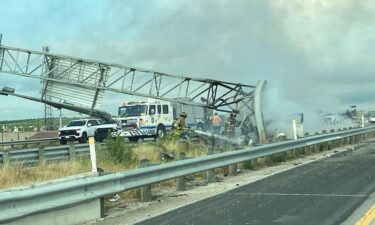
{"x": 323, "y": 192}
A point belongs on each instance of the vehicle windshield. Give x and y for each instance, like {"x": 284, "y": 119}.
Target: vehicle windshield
{"x": 132, "y": 110}
{"x": 109, "y": 122}
{"x": 76, "y": 123}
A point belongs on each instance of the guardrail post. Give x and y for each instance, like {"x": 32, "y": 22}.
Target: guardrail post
{"x": 72, "y": 152}
{"x": 316, "y": 147}
{"x": 331, "y": 144}
{"x": 347, "y": 140}
{"x": 352, "y": 140}
{"x": 146, "y": 194}
{"x": 233, "y": 169}
{"x": 357, "y": 139}
{"x": 299, "y": 151}
{"x": 254, "y": 164}
{"x": 308, "y": 149}
{"x": 339, "y": 142}
{"x": 6, "y": 158}
{"x": 181, "y": 181}
{"x": 291, "y": 154}
{"x": 325, "y": 145}
{"x": 269, "y": 160}
{"x": 42, "y": 155}
{"x": 102, "y": 205}
{"x": 210, "y": 176}
{"x": 284, "y": 156}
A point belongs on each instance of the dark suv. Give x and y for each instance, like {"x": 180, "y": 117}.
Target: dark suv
{"x": 105, "y": 129}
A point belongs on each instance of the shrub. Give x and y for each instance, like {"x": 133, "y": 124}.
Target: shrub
{"x": 119, "y": 152}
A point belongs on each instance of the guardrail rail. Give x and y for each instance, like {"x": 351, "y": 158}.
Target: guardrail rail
{"x": 20, "y": 203}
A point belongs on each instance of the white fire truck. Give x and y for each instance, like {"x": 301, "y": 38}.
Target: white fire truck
{"x": 153, "y": 118}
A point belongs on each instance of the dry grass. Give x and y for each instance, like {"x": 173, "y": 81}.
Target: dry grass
{"x": 152, "y": 151}
{"x": 17, "y": 174}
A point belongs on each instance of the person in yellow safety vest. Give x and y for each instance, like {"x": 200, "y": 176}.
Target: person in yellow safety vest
{"x": 216, "y": 123}
{"x": 178, "y": 126}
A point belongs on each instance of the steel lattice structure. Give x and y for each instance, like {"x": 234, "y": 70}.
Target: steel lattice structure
{"x": 62, "y": 72}
{"x": 71, "y": 82}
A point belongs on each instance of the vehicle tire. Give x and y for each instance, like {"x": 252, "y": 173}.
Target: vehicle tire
{"x": 83, "y": 139}
{"x": 160, "y": 132}
{"x": 135, "y": 139}
{"x": 63, "y": 142}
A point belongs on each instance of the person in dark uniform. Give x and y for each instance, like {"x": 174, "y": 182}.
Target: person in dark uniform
{"x": 230, "y": 125}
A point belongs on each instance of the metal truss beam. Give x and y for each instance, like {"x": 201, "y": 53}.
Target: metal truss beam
{"x": 102, "y": 76}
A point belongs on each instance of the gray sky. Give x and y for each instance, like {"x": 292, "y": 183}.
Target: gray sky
{"x": 315, "y": 54}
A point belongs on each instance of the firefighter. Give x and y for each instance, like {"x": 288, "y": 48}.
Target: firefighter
{"x": 178, "y": 126}
{"x": 230, "y": 125}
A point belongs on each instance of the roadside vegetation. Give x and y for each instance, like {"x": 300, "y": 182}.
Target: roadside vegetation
{"x": 113, "y": 156}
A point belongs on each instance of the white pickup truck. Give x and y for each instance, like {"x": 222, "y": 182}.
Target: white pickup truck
{"x": 78, "y": 130}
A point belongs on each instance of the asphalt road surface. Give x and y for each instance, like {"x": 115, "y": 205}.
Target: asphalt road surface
{"x": 323, "y": 192}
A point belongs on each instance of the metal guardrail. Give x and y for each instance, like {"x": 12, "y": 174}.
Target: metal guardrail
{"x": 49, "y": 154}
{"x": 19, "y": 203}
{"x": 29, "y": 141}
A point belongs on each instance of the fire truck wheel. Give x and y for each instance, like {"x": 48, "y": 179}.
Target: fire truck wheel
{"x": 133, "y": 139}
{"x": 160, "y": 131}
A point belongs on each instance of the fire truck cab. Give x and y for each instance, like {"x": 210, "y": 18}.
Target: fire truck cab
{"x": 144, "y": 119}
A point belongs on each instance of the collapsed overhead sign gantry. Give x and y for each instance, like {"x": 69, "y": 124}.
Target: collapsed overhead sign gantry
{"x": 81, "y": 83}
